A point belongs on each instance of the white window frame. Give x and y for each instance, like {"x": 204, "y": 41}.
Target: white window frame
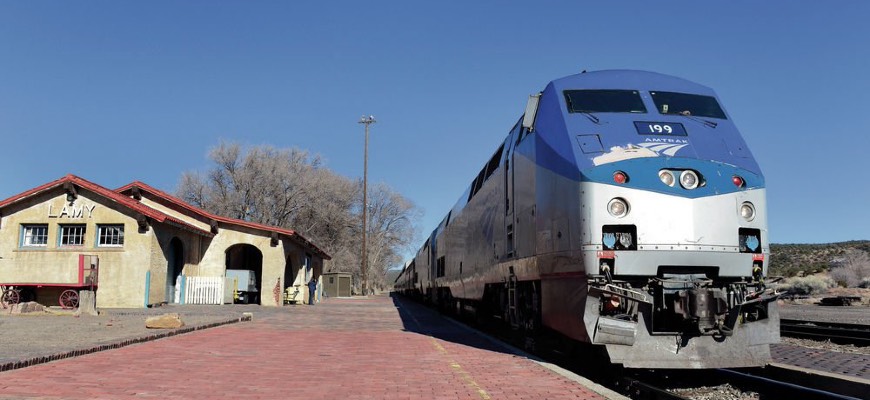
{"x": 105, "y": 236}
{"x": 28, "y": 235}
{"x": 72, "y": 235}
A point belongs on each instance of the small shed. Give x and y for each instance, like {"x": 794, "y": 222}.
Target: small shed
{"x": 336, "y": 284}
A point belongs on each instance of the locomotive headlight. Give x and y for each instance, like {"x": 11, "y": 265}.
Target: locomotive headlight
{"x": 617, "y": 207}
{"x": 667, "y": 177}
{"x": 689, "y": 179}
{"x": 747, "y": 211}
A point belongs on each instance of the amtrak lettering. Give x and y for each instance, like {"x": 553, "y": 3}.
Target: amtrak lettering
{"x": 73, "y": 211}
{"x": 666, "y": 140}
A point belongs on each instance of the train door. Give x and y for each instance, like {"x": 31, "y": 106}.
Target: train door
{"x": 435, "y": 264}
{"x": 521, "y": 221}
{"x": 430, "y": 284}
{"x": 523, "y": 127}
{"x": 509, "y": 251}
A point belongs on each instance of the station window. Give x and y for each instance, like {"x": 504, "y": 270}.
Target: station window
{"x": 34, "y": 235}
{"x": 72, "y": 235}
{"x": 110, "y": 235}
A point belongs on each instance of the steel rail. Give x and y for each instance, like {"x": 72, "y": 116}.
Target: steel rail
{"x": 858, "y": 335}
{"x": 639, "y": 390}
{"x": 779, "y": 389}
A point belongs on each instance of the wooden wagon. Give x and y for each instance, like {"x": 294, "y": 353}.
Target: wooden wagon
{"x": 88, "y": 273}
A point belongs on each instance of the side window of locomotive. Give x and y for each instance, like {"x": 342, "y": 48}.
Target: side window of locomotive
{"x": 486, "y": 172}
{"x": 493, "y": 163}
{"x": 687, "y": 104}
{"x": 476, "y": 184}
{"x": 604, "y": 101}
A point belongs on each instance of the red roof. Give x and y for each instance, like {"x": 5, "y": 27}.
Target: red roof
{"x": 182, "y": 206}
{"x": 110, "y": 195}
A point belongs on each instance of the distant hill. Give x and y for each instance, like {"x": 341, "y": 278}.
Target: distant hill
{"x": 796, "y": 259}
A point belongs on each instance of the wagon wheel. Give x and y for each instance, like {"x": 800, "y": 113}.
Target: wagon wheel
{"x": 69, "y": 299}
{"x": 11, "y": 296}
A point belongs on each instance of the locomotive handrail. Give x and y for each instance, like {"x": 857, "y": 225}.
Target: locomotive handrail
{"x": 620, "y": 292}
{"x": 764, "y": 296}
{"x": 705, "y": 281}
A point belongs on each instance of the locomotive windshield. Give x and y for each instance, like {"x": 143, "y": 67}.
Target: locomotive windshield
{"x": 597, "y": 101}
{"x": 687, "y": 104}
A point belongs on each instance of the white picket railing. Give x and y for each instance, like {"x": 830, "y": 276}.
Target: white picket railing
{"x": 204, "y": 290}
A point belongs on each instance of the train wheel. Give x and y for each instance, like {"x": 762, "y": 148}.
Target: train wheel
{"x": 69, "y": 299}
{"x": 11, "y": 296}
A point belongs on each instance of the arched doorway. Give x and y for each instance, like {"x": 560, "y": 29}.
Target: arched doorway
{"x": 293, "y": 278}
{"x": 175, "y": 258}
{"x": 242, "y": 261}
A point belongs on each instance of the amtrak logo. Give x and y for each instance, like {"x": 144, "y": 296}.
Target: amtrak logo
{"x": 651, "y": 147}
{"x": 668, "y": 147}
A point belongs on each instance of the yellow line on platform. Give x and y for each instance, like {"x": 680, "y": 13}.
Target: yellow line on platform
{"x": 462, "y": 373}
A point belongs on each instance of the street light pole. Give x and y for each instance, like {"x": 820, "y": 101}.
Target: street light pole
{"x": 366, "y": 121}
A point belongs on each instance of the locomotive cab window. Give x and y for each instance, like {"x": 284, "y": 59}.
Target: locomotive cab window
{"x": 604, "y": 101}
{"x": 687, "y": 104}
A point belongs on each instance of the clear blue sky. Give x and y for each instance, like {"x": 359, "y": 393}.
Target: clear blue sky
{"x": 116, "y": 91}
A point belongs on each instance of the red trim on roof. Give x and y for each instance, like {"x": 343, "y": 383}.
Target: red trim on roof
{"x": 175, "y": 201}
{"x": 125, "y": 201}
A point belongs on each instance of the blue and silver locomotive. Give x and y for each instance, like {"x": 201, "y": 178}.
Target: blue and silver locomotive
{"x": 622, "y": 210}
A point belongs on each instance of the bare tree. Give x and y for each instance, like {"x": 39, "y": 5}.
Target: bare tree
{"x": 391, "y": 230}
{"x": 330, "y": 217}
{"x": 289, "y": 188}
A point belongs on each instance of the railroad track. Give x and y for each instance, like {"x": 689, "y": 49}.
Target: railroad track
{"x": 638, "y": 389}
{"x": 776, "y": 389}
{"x": 769, "y": 382}
{"x": 858, "y": 335}
{"x": 665, "y": 384}
{"x": 681, "y": 384}
{"x": 678, "y": 384}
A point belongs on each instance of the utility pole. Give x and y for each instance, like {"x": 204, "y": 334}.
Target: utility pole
{"x": 365, "y": 206}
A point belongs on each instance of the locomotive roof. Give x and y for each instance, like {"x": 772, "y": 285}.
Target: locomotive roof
{"x": 628, "y": 79}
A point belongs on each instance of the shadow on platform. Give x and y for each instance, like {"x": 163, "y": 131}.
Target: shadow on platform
{"x": 419, "y": 318}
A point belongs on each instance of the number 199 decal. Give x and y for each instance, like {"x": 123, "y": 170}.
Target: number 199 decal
{"x": 660, "y": 128}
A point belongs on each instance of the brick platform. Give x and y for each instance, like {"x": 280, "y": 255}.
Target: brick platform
{"x": 373, "y": 348}
{"x": 853, "y": 365}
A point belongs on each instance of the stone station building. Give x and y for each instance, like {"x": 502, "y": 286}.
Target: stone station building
{"x": 144, "y": 240}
